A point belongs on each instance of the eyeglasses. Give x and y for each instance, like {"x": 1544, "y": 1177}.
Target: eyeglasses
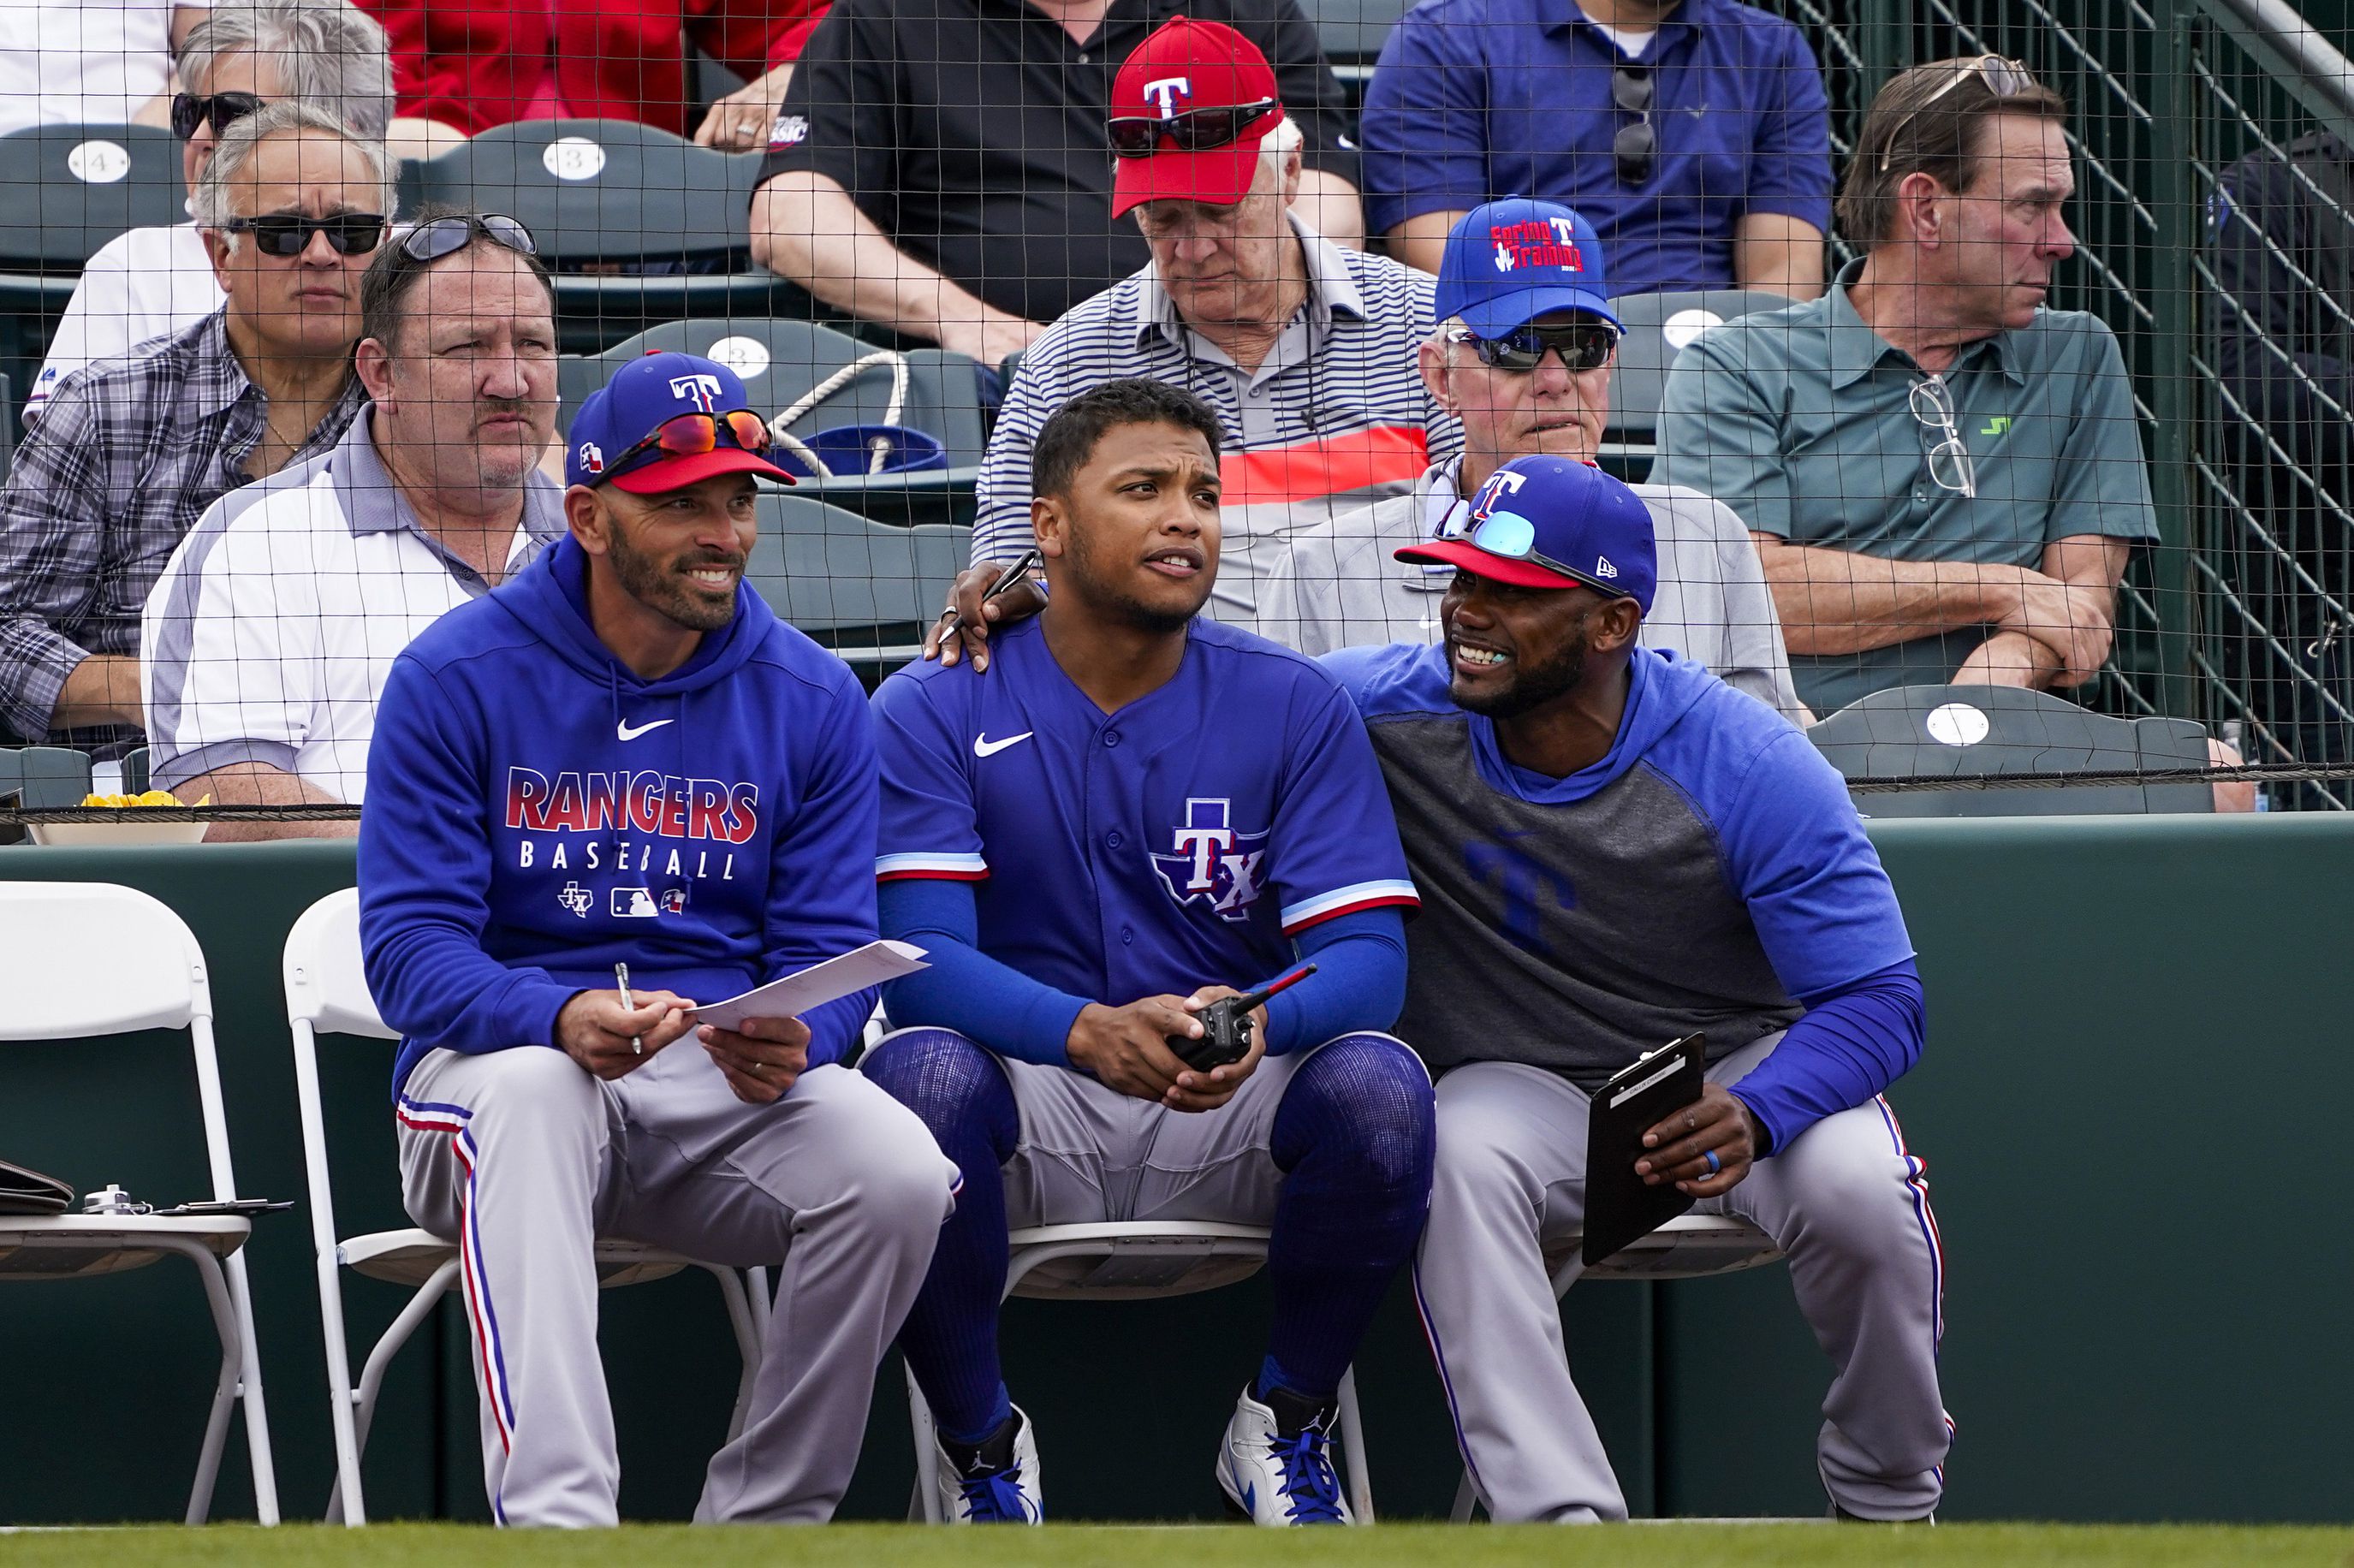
{"x": 287, "y": 234}
{"x": 1636, "y": 147}
{"x": 1583, "y": 346}
{"x": 440, "y": 236}
{"x": 692, "y": 435}
{"x": 1515, "y": 538}
{"x": 2003, "y": 78}
{"x": 1194, "y": 130}
{"x": 190, "y": 109}
{"x": 1949, "y": 461}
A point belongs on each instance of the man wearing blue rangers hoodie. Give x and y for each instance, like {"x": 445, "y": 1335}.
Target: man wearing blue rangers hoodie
{"x": 621, "y": 756}
{"x": 1614, "y": 849}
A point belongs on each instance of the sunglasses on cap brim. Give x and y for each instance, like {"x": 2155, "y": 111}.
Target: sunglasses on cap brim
{"x": 288, "y": 234}
{"x": 1510, "y": 536}
{"x": 695, "y": 435}
{"x": 191, "y": 110}
{"x": 1582, "y": 345}
{"x": 1194, "y": 130}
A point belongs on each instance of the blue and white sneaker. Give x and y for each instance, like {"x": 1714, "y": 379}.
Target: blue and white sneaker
{"x": 995, "y": 1483}
{"x": 1277, "y": 1463}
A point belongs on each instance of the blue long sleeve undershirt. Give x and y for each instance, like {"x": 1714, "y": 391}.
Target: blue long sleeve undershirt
{"x": 1851, "y": 1043}
{"x": 1360, "y": 983}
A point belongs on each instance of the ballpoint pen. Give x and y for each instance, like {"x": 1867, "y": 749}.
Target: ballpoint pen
{"x": 621, "y": 978}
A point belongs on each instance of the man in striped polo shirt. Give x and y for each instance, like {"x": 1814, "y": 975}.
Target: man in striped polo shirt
{"x": 1305, "y": 350}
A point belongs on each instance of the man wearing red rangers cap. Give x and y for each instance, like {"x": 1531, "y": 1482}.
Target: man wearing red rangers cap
{"x": 1304, "y": 349}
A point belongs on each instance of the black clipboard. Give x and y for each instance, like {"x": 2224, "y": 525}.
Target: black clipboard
{"x": 1620, "y": 1210}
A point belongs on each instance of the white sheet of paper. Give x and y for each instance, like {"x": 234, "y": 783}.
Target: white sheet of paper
{"x": 816, "y": 985}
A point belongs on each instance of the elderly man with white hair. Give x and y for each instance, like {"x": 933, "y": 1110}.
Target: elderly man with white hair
{"x": 1304, "y": 349}
{"x": 151, "y": 282}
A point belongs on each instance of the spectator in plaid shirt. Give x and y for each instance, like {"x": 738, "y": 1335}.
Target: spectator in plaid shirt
{"x": 130, "y": 450}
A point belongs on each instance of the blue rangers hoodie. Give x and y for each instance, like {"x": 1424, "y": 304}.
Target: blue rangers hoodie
{"x": 537, "y": 812}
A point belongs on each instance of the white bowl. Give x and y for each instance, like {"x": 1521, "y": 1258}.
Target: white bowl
{"x": 124, "y": 834}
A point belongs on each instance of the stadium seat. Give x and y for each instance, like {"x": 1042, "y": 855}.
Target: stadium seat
{"x": 782, "y": 362}
{"x": 609, "y": 201}
{"x": 1968, "y": 731}
{"x": 852, "y": 583}
{"x": 43, "y": 776}
{"x": 1352, "y": 32}
{"x": 326, "y": 993}
{"x": 1132, "y": 1261}
{"x": 1658, "y": 328}
{"x": 64, "y": 191}
{"x": 1690, "y": 1246}
{"x": 115, "y": 960}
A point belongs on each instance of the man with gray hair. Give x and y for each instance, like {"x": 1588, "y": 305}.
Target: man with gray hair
{"x": 270, "y": 634}
{"x": 130, "y": 452}
{"x": 149, "y": 282}
{"x": 1304, "y": 348}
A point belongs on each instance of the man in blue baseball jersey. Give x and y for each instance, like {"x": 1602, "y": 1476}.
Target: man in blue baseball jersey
{"x": 1134, "y": 812}
{"x": 621, "y": 756}
{"x": 1614, "y": 849}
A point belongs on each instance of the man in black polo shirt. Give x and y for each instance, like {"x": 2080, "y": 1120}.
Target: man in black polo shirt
{"x": 939, "y": 166}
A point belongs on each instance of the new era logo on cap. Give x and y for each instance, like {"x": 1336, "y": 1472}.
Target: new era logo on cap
{"x": 1603, "y": 568}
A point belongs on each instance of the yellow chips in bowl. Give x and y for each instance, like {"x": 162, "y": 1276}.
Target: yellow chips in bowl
{"x": 152, "y": 797}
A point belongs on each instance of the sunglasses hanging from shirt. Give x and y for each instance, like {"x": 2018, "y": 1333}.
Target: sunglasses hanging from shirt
{"x": 1582, "y": 345}
{"x": 1636, "y": 147}
{"x": 1194, "y": 130}
{"x": 285, "y": 234}
{"x": 190, "y": 109}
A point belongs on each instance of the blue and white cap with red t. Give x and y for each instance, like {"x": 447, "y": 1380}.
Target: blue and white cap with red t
{"x": 1552, "y": 523}
{"x": 1510, "y": 261}
{"x": 615, "y": 437}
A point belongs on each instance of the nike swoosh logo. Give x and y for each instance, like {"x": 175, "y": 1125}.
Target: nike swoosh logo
{"x": 627, "y": 731}
{"x": 984, "y": 747}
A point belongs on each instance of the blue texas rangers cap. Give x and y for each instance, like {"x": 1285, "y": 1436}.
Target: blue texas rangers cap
{"x": 1510, "y": 261}
{"x": 1552, "y": 523}
{"x": 612, "y": 437}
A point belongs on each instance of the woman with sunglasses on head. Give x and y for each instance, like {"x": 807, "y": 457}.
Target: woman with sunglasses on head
{"x": 150, "y": 281}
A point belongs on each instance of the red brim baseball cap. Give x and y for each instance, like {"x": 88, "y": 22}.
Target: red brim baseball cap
{"x": 678, "y": 472}
{"x": 1218, "y": 177}
{"x": 1464, "y": 556}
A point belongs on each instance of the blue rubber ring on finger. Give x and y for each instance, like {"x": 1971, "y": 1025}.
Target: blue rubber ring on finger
{"x": 1715, "y": 1164}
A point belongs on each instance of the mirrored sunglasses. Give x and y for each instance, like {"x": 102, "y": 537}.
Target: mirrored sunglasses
{"x": 1583, "y": 346}
{"x": 693, "y": 435}
{"x": 1194, "y": 130}
{"x": 440, "y": 236}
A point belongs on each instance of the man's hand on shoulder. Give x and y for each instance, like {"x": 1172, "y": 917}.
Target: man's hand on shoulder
{"x": 761, "y": 1061}
{"x": 1716, "y": 1122}
{"x": 974, "y": 617}
{"x": 1126, "y": 1048}
{"x": 595, "y": 1030}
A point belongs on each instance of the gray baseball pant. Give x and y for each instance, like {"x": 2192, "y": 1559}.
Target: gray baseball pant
{"x": 526, "y": 1159}
{"x": 1844, "y": 1201}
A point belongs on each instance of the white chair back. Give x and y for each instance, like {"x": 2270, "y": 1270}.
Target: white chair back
{"x": 326, "y": 986}
{"x": 90, "y": 958}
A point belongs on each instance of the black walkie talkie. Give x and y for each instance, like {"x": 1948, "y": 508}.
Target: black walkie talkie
{"x": 1226, "y": 1026}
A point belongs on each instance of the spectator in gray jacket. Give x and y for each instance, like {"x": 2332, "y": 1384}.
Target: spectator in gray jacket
{"x": 1339, "y": 586}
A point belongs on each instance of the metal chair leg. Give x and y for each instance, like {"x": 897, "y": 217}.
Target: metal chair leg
{"x": 232, "y": 1344}
{"x": 746, "y": 1324}
{"x": 1465, "y": 1496}
{"x": 256, "y": 1411}
{"x": 925, "y": 1506}
{"x": 1352, "y": 1450}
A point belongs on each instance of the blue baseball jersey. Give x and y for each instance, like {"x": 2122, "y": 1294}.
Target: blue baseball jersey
{"x": 1178, "y": 842}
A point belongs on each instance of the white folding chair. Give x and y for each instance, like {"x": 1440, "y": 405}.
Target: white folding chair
{"x": 1690, "y": 1246}
{"x": 326, "y": 993}
{"x": 1132, "y": 1261}
{"x": 112, "y": 960}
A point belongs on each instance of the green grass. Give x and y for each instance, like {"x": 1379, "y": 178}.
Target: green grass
{"x": 1402, "y": 1546}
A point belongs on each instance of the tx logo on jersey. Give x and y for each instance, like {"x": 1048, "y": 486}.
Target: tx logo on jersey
{"x": 576, "y": 900}
{"x": 1165, "y": 92}
{"x": 1213, "y": 864}
{"x": 703, "y": 391}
